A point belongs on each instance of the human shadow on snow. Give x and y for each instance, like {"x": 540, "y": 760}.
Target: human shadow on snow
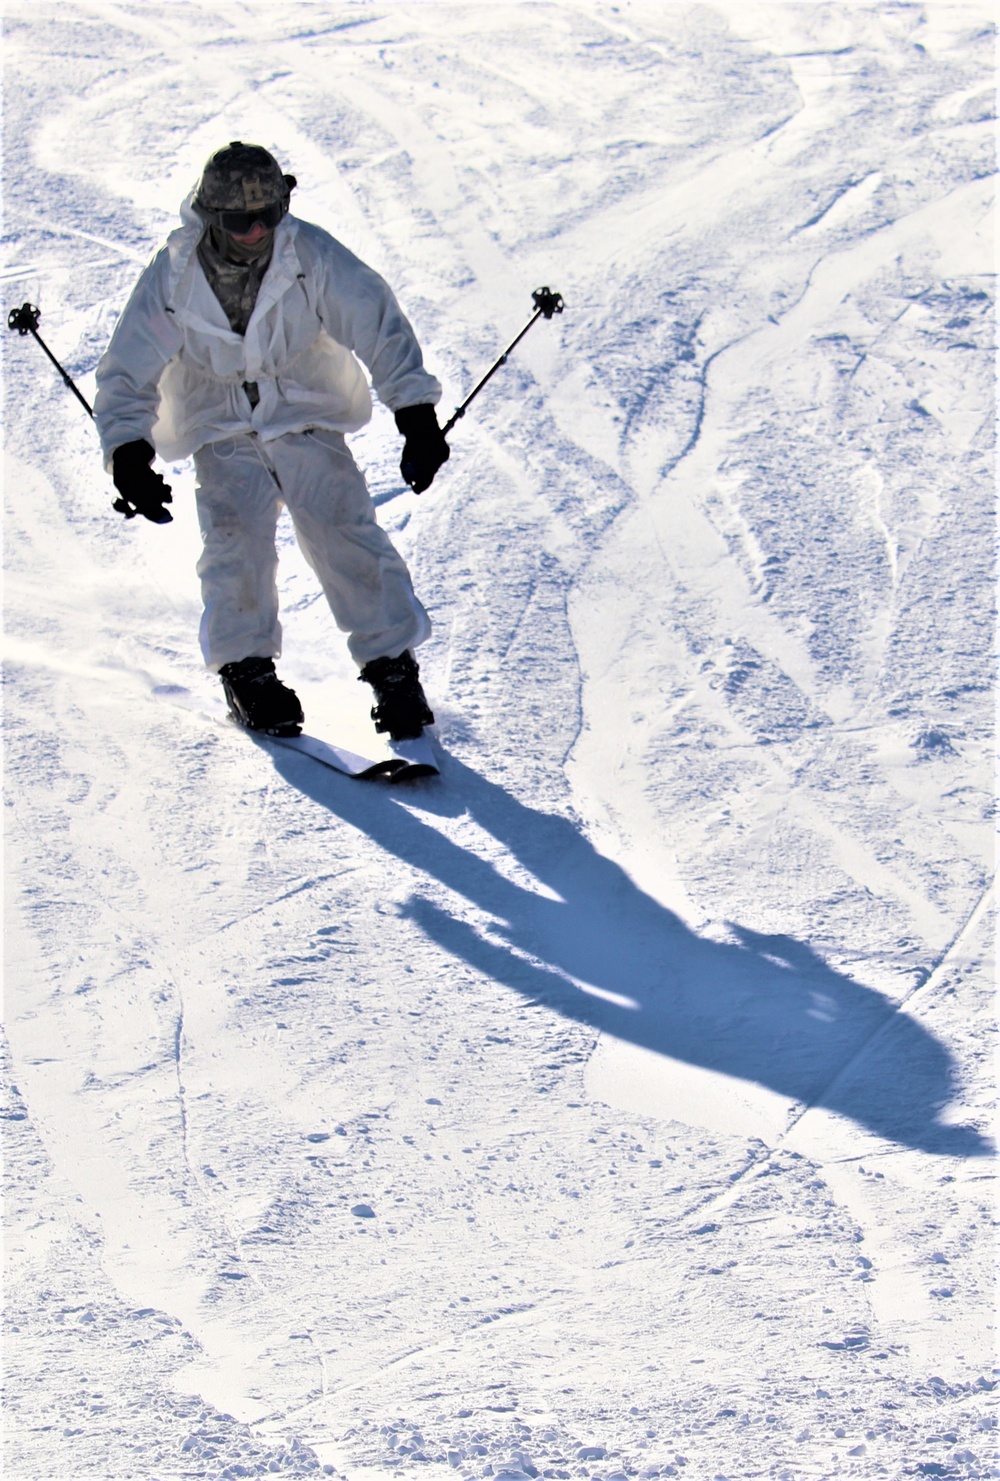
{"x": 763, "y": 1008}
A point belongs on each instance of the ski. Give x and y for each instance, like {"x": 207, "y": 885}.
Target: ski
{"x": 408, "y": 761}
{"x": 419, "y": 757}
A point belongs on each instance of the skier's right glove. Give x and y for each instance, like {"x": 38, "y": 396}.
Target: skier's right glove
{"x": 142, "y": 490}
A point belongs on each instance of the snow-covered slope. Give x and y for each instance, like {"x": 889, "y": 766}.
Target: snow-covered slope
{"x": 617, "y": 1105}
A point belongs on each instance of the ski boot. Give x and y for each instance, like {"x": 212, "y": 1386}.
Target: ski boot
{"x": 401, "y": 706}
{"x": 258, "y": 699}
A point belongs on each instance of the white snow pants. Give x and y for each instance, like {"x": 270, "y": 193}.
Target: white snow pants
{"x": 242, "y": 485}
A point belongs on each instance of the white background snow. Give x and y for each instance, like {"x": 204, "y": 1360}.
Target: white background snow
{"x": 617, "y": 1105}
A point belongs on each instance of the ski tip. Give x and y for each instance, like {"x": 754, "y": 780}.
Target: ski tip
{"x": 413, "y": 772}
{"x": 381, "y": 771}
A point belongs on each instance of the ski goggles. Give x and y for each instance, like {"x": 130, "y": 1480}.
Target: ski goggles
{"x": 242, "y": 223}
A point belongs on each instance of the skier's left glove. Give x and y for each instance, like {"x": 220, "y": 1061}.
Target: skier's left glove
{"x": 142, "y": 490}
{"x": 425, "y": 448}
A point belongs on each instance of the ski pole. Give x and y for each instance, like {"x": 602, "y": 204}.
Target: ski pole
{"x": 25, "y": 321}
{"x": 546, "y": 304}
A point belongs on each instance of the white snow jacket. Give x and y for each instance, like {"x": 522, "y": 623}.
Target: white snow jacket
{"x": 174, "y": 371}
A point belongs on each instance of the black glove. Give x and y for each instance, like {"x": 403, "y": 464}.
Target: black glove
{"x": 142, "y": 491}
{"x": 424, "y": 449}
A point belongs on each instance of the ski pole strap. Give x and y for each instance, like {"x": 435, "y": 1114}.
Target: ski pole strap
{"x": 25, "y": 321}
{"x": 546, "y": 304}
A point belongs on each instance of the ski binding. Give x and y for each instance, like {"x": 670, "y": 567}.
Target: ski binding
{"x": 406, "y": 761}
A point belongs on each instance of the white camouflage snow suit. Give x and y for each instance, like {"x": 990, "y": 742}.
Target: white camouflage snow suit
{"x": 174, "y": 374}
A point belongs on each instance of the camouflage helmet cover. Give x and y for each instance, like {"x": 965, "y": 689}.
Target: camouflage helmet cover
{"x": 242, "y": 177}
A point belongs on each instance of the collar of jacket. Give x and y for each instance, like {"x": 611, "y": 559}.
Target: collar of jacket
{"x": 281, "y": 274}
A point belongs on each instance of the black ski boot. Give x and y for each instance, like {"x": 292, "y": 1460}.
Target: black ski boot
{"x": 401, "y": 706}
{"x": 258, "y": 699}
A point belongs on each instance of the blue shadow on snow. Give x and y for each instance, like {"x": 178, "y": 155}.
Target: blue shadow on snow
{"x": 766, "y": 1009}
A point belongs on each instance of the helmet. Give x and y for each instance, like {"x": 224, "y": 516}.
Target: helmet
{"x": 242, "y": 184}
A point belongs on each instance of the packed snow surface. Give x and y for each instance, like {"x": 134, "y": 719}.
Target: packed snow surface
{"x": 617, "y": 1104}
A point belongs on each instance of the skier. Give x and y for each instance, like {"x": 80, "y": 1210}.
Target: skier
{"x": 238, "y": 346}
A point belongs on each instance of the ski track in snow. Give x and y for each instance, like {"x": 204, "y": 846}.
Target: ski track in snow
{"x": 617, "y": 1106}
